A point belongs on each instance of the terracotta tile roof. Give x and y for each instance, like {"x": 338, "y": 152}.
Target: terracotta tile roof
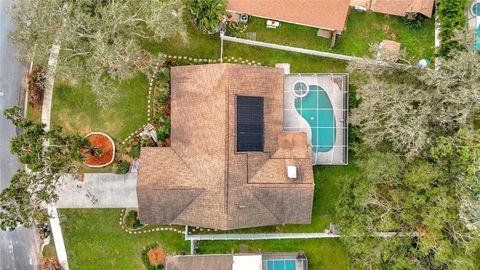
{"x": 402, "y": 7}
{"x": 325, "y": 14}
{"x": 201, "y": 180}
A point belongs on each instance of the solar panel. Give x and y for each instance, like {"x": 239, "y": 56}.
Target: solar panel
{"x": 249, "y": 124}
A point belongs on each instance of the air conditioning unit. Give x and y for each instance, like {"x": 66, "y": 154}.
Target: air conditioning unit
{"x": 243, "y": 18}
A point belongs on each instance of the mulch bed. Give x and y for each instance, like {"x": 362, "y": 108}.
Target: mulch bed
{"x": 156, "y": 256}
{"x": 102, "y": 142}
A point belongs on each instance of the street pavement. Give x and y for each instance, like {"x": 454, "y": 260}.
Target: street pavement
{"x": 17, "y": 249}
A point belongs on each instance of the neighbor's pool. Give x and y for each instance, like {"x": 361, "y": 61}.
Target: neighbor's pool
{"x": 478, "y": 38}
{"x": 281, "y": 265}
{"x": 317, "y": 110}
{"x": 476, "y": 9}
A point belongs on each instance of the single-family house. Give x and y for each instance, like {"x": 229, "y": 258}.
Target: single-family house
{"x": 230, "y": 164}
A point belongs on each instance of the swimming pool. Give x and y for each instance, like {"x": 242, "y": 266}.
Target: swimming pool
{"x": 478, "y": 39}
{"x": 475, "y": 9}
{"x": 317, "y": 110}
{"x": 281, "y": 265}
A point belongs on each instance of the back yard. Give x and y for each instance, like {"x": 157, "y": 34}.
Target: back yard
{"x": 362, "y": 30}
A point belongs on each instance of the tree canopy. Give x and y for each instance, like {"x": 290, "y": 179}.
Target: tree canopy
{"x": 406, "y": 107}
{"x": 99, "y": 39}
{"x": 418, "y": 156}
{"x": 433, "y": 200}
{"x": 23, "y": 202}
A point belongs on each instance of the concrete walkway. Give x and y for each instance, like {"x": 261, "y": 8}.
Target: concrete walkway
{"x": 98, "y": 190}
{"x": 45, "y": 118}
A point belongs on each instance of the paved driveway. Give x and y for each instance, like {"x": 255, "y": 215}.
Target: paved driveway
{"x": 99, "y": 190}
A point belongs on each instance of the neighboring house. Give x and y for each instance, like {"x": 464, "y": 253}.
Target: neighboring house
{"x": 230, "y": 164}
{"x": 398, "y": 7}
{"x": 272, "y": 261}
{"x": 329, "y": 15}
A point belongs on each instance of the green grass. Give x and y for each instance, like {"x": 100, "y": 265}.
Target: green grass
{"x": 362, "y": 29}
{"x": 321, "y": 253}
{"x": 34, "y": 114}
{"x": 77, "y": 110}
{"x": 208, "y": 46}
{"x": 94, "y": 240}
{"x": 49, "y": 250}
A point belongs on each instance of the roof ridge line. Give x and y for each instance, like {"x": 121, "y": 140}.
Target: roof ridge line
{"x": 186, "y": 166}
{"x": 266, "y": 207}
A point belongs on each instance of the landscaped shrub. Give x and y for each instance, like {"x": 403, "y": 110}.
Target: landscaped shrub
{"x": 135, "y": 152}
{"x": 132, "y": 221}
{"x": 145, "y": 259}
{"x": 452, "y": 18}
{"x": 121, "y": 167}
{"x": 414, "y": 20}
{"x": 206, "y": 14}
{"x": 163, "y": 131}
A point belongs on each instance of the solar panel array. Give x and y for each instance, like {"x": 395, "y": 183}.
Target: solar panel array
{"x": 249, "y": 124}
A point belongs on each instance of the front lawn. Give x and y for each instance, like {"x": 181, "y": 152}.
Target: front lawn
{"x": 76, "y": 109}
{"x": 362, "y": 30}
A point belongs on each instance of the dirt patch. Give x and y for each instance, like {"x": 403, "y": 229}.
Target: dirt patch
{"x": 156, "y": 256}
{"x": 103, "y": 143}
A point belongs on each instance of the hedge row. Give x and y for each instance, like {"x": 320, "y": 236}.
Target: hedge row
{"x": 452, "y": 17}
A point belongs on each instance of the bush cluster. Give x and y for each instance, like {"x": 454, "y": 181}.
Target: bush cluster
{"x": 135, "y": 152}
{"x": 132, "y": 221}
{"x": 414, "y": 20}
{"x": 451, "y": 14}
{"x": 145, "y": 259}
{"x": 121, "y": 167}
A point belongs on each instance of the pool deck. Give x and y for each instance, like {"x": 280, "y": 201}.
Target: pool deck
{"x": 336, "y": 87}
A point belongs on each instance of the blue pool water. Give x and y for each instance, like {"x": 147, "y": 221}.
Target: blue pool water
{"x": 476, "y": 9}
{"x": 478, "y": 37}
{"x": 281, "y": 265}
{"x": 317, "y": 110}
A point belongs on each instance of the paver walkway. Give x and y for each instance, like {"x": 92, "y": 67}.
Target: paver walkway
{"x": 98, "y": 190}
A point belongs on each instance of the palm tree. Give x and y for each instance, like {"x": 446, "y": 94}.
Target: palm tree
{"x": 206, "y": 14}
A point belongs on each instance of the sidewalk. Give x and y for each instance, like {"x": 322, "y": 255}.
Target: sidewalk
{"x": 46, "y": 108}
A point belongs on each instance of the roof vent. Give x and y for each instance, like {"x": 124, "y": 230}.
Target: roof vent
{"x": 292, "y": 172}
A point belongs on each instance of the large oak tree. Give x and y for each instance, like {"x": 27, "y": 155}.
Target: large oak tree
{"x": 100, "y": 39}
